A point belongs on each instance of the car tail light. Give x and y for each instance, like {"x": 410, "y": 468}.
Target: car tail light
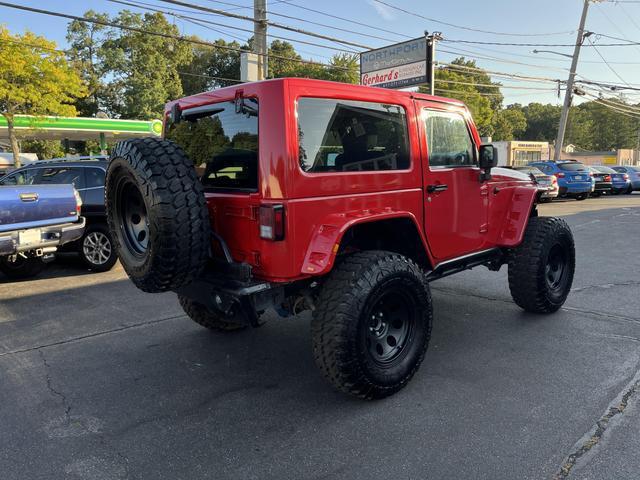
{"x": 78, "y": 201}
{"x": 607, "y": 178}
{"x": 591, "y": 174}
{"x": 560, "y": 175}
{"x": 272, "y": 222}
{"x": 554, "y": 179}
{"x": 625, "y": 176}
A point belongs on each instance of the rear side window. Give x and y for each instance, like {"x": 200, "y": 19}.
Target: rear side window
{"x": 94, "y": 177}
{"x": 449, "y": 143}
{"x": 348, "y": 136}
{"x": 222, "y": 142}
{"x": 61, "y": 175}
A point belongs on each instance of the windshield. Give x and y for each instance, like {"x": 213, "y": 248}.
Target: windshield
{"x": 605, "y": 169}
{"x": 572, "y": 167}
{"x": 222, "y": 142}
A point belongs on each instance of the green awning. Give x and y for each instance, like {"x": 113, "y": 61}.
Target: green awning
{"x": 79, "y": 128}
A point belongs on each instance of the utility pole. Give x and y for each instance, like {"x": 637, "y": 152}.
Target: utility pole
{"x": 572, "y": 75}
{"x": 431, "y": 55}
{"x": 260, "y": 37}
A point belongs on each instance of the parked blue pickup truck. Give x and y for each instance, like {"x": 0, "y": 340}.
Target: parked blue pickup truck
{"x": 34, "y": 221}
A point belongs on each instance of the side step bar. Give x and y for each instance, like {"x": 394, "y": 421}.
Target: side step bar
{"x": 492, "y": 258}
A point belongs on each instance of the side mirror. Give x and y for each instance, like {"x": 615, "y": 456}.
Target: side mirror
{"x": 488, "y": 160}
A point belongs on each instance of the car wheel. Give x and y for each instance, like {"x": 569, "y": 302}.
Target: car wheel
{"x": 541, "y": 268}
{"x": 21, "y": 266}
{"x": 582, "y": 196}
{"x": 96, "y": 248}
{"x": 157, "y": 214}
{"x": 372, "y": 324}
{"x": 210, "y": 319}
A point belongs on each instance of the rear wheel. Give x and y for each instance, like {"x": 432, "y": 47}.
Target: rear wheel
{"x": 157, "y": 214}
{"x": 372, "y": 324}
{"x": 96, "y": 248}
{"x": 21, "y": 266}
{"x": 582, "y": 196}
{"x": 541, "y": 268}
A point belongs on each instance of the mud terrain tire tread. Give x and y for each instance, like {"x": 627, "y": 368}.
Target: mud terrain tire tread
{"x": 527, "y": 265}
{"x": 179, "y": 229}
{"x": 336, "y": 318}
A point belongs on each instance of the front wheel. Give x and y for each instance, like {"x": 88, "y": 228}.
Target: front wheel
{"x": 541, "y": 268}
{"x": 372, "y": 324}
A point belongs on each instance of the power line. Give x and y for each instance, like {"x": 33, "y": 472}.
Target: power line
{"x": 470, "y": 54}
{"x": 268, "y": 22}
{"x": 159, "y": 34}
{"x": 493, "y": 85}
{"x": 324, "y": 25}
{"x": 605, "y": 61}
{"x": 355, "y": 22}
{"x": 478, "y": 42}
{"x": 148, "y": 6}
{"x": 415, "y": 14}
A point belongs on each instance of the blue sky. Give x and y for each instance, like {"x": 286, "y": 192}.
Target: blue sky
{"x": 554, "y": 18}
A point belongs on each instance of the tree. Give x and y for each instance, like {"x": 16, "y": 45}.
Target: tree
{"x": 43, "y": 148}
{"x": 211, "y": 67}
{"x": 85, "y": 40}
{"x": 542, "y": 122}
{"x": 463, "y": 80}
{"x": 35, "y": 79}
{"x": 509, "y": 124}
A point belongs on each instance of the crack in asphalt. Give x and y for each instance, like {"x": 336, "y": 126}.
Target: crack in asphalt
{"x": 595, "y": 435}
{"x": 91, "y": 335}
{"x": 54, "y": 392}
{"x": 630, "y": 283}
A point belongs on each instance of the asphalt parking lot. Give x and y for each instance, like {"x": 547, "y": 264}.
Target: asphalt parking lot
{"x": 100, "y": 381}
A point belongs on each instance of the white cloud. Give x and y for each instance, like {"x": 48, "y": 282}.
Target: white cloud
{"x": 384, "y": 11}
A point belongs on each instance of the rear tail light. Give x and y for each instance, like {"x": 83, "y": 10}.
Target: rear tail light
{"x": 560, "y": 175}
{"x": 625, "y": 176}
{"x": 554, "y": 179}
{"x": 272, "y": 222}
{"x": 78, "y": 201}
{"x": 607, "y": 178}
{"x": 591, "y": 174}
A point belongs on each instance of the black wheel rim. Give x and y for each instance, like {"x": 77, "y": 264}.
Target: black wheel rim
{"x": 389, "y": 324}
{"x": 556, "y": 268}
{"x": 132, "y": 214}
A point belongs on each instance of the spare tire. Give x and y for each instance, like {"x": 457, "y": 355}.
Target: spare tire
{"x": 157, "y": 214}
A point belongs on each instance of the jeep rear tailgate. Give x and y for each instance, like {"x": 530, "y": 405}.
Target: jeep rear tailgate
{"x": 31, "y": 206}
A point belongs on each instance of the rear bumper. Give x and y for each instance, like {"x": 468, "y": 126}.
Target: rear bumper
{"x": 51, "y": 236}
{"x": 572, "y": 190}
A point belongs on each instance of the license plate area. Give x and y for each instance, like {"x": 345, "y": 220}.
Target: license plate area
{"x": 29, "y": 237}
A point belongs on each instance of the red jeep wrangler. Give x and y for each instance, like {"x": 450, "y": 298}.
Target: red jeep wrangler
{"x": 297, "y": 194}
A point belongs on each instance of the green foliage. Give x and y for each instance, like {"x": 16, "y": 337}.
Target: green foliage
{"x": 130, "y": 74}
{"x": 43, "y": 148}
{"x": 509, "y": 124}
{"x": 35, "y": 79}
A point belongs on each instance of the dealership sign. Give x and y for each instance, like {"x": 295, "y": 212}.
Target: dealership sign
{"x": 396, "y": 66}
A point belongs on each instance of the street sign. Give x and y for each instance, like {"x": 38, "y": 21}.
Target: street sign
{"x": 396, "y": 66}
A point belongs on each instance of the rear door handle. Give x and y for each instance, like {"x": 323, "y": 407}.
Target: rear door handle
{"x": 441, "y": 187}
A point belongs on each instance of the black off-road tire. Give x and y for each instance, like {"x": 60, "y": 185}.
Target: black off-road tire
{"x": 345, "y": 336}
{"x": 541, "y": 268}
{"x": 205, "y": 317}
{"x": 97, "y": 234}
{"x": 22, "y": 268}
{"x": 153, "y": 179}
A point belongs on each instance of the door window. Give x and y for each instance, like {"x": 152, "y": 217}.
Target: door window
{"x": 449, "y": 143}
{"x": 62, "y": 176}
{"x": 24, "y": 177}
